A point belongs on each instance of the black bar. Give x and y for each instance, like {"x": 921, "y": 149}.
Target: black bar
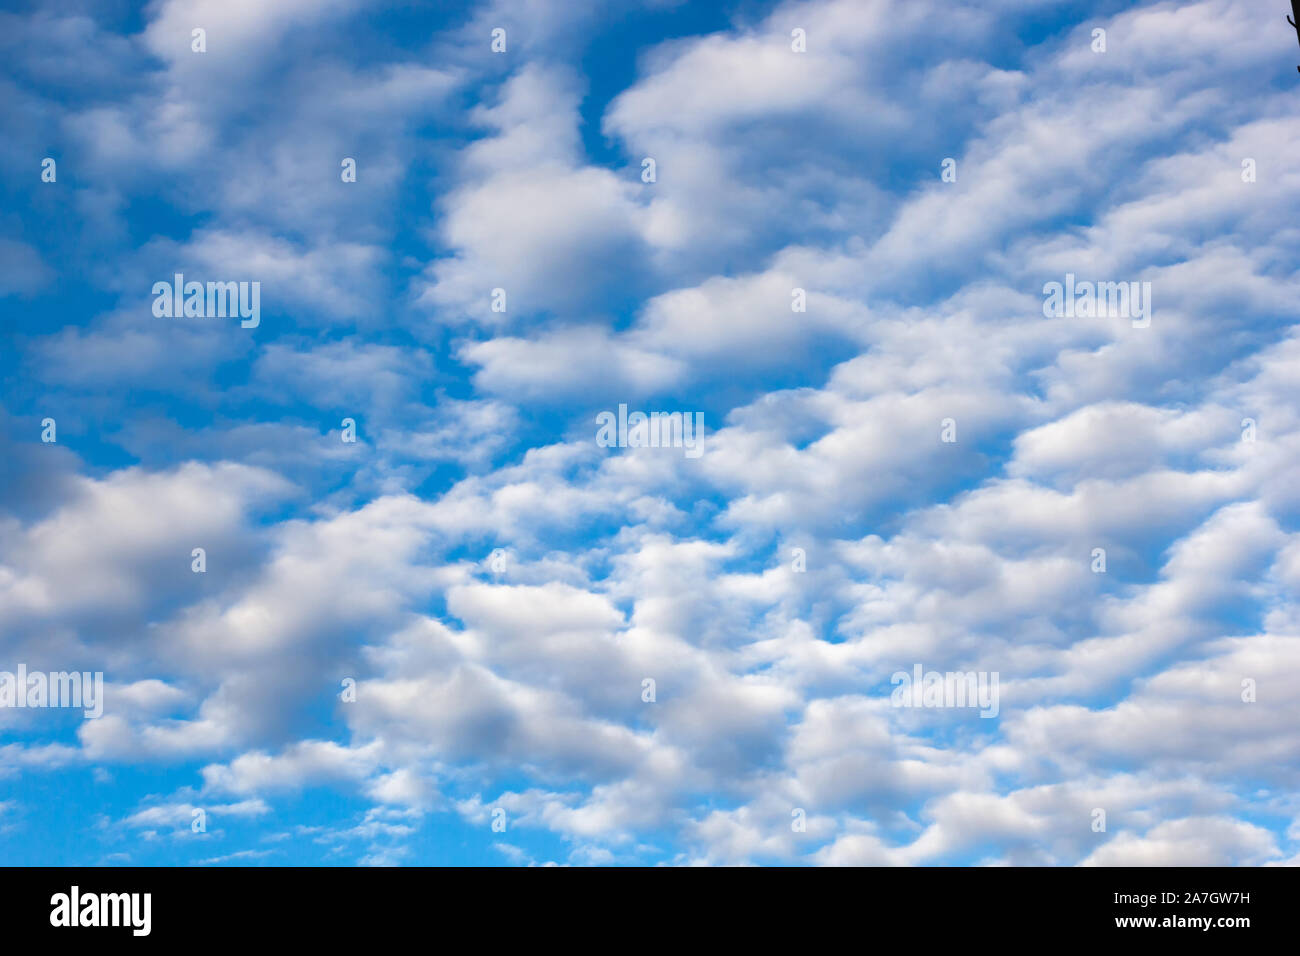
{"x": 324, "y": 905}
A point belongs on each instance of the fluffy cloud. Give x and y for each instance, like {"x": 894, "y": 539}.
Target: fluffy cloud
{"x": 635, "y": 655}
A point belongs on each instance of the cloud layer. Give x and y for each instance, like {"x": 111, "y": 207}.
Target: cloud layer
{"x": 474, "y": 634}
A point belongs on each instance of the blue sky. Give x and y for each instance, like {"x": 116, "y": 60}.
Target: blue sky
{"x": 499, "y": 585}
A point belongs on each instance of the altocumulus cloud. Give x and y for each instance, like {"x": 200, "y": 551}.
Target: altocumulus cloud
{"x": 364, "y": 586}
